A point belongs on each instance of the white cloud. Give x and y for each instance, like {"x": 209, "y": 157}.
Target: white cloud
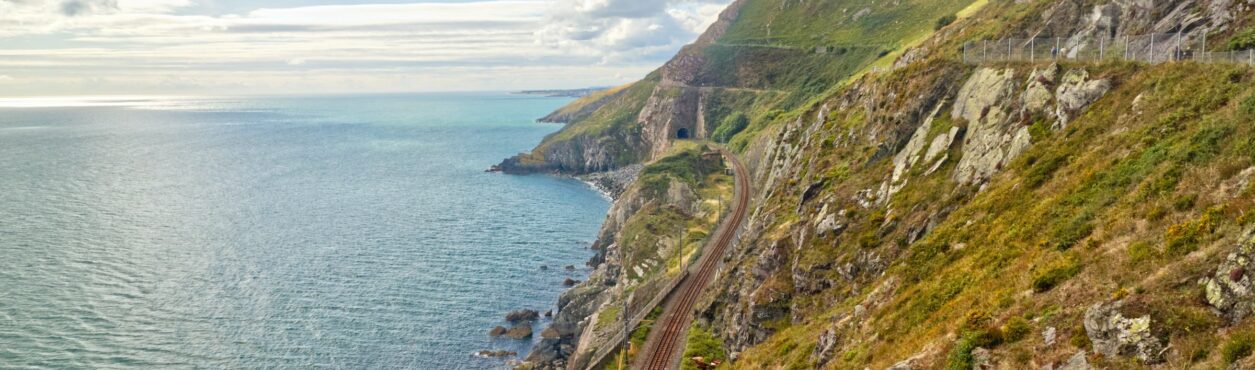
{"x": 5, "y": 78}
{"x": 156, "y": 46}
{"x": 627, "y": 29}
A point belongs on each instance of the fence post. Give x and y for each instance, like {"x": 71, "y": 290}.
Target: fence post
{"x": 1102, "y": 43}
{"x": 984, "y": 51}
{"x": 1056, "y": 52}
{"x": 1204, "y": 51}
{"x": 1032, "y": 49}
{"x": 1178, "y": 54}
{"x": 1008, "y": 48}
{"x": 1250, "y": 57}
{"x": 1127, "y": 45}
{"x": 965, "y": 51}
{"x": 1152, "y": 48}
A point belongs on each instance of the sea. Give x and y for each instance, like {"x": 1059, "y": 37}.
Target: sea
{"x": 313, "y": 232}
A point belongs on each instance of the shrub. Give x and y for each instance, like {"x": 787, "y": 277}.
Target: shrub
{"x": 1238, "y": 347}
{"x": 1184, "y": 238}
{"x": 1142, "y": 251}
{"x": 1079, "y": 338}
{"x": 1070, "y": 232}
{"x": 1043, "y": 169}
{"x": 1051, "y": 278}
{"x": 1016, "y": 329}
{"x": 731, "y": 126}
{"x": 1243, "y": 40}
{"x": 1248, "y": 104}
{"x": 944, "y": 21}
{"x": 960, "y": 358}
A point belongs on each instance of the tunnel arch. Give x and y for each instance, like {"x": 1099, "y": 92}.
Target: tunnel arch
{"x": 682, "y": 133}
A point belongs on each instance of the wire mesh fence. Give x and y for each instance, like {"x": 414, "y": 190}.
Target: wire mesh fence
{"x": 1154, "y": 48}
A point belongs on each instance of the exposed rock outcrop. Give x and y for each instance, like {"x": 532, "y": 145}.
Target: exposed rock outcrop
{"x": 522, "y": 315}
{"x": 1231, "y": 290}
{"x": 1112, "y": 334}
{"x": 993, "y": 139}
{"x": 520, "y": 331}
{"x": 1076, "y": 92}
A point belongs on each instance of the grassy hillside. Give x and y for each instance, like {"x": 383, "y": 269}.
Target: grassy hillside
{"x": 760, "y": 77}
{"x": 1134, "y": 201}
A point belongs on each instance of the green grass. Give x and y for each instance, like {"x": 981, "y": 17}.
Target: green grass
{"x": 701, "y": 342}
{"x": 1238, "y": 347}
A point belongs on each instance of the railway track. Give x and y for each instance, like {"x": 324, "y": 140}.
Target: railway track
{"x": 664, "y": 346}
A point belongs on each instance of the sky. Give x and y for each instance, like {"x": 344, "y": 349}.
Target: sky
{"x": 211, "y": 47}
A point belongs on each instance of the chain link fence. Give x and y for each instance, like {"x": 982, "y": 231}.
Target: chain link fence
{"x": 1154, "y": 48}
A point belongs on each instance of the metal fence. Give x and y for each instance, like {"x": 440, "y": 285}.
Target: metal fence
{"x": 1155, "y": 48}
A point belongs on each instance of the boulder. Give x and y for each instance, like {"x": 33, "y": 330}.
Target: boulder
{"x": 1048, "y": 336}
{"x": 496, "y": 354}
{"x": 1038, "y": 91}
{"x": 1076, "y": 362}
{"x": 982, "y": 359}
{"x": 550, "y": 333}
{"x": 569, "y": 282}
{"x": 1231, "y": 289}
{"x": 522, "y": 315}
{"x": 520, "y": 331}
{"x": 1112, "y": 334}
{"x": 497, "y": 331}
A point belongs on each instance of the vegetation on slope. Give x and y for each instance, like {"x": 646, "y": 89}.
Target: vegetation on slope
{"x": 1134, "y": 200}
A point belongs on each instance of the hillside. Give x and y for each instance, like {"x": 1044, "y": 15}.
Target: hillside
{"x": 915, "y": 211}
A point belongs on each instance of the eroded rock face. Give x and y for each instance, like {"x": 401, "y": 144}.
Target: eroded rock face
{"x": 669, "y": 110}
{"x": 1076, "y": 92}
{"x": 993, "y": 139}
{"x": 1112, "y": 334}
{"x": 1039, "y": 89}
{"x": 1231, "y": 290}
{"x": 825, "y": 347}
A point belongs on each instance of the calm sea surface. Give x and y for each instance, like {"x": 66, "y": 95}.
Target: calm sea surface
{"x": 329, "y": 232}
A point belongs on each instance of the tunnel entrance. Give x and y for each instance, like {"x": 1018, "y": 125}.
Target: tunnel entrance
{"x": 682, "y": 134}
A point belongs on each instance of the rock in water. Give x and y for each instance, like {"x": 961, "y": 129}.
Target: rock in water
{"x": 570, "y": 282}
{"x": 522, "y": 315}
{"x": 520, "y": 331}
{"x": 496, "y": 354}
{"x": 497, "y": 331}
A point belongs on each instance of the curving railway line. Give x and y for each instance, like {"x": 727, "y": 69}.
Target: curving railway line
{"x": 665, "y": 344}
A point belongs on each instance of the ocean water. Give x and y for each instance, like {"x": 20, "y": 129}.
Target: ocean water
{"x": 349, "y": 232}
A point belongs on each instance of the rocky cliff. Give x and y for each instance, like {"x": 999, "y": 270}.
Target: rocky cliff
{"x": 914, "y": 211}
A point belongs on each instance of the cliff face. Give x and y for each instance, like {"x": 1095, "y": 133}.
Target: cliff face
{"x": 630, "y": 124}
{"x": 670, "y": 205}
{"x": 930, "y": 213}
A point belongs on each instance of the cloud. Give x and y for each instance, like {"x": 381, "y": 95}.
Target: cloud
{"x": 5, "y": 78}
{"x": 155, "y": 46}
{"x": 627, "y": 29}
{"x": 71, "y": 8}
